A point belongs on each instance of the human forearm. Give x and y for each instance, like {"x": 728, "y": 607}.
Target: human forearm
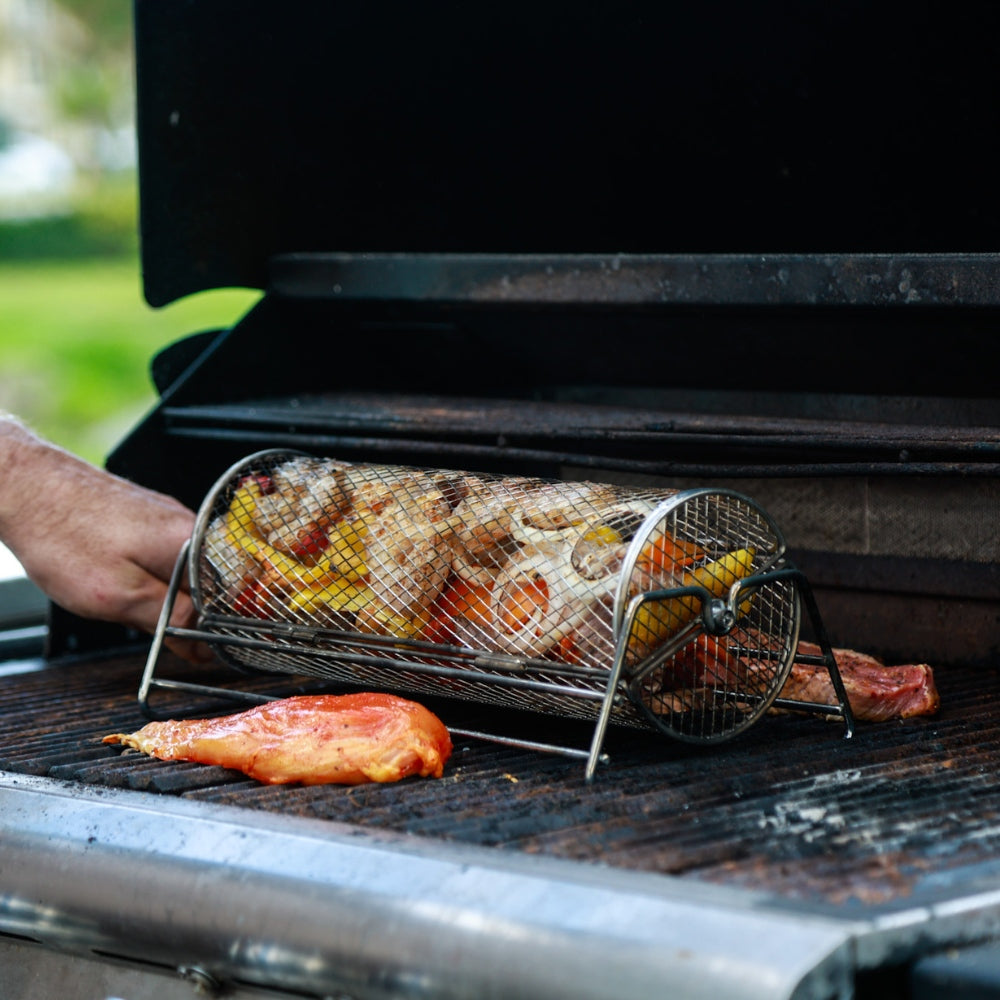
{"x": 98, "y": 545}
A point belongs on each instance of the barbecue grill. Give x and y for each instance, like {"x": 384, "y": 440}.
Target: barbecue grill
{"x": 727, "y": 249}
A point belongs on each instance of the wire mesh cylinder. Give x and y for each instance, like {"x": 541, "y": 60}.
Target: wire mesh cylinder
{"x": 525, "y": 592}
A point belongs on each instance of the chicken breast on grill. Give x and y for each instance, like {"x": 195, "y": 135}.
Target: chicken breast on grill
{"x": 311, "y": 739}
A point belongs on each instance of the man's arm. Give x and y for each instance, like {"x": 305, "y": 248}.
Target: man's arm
{"x": 96, "y": 544}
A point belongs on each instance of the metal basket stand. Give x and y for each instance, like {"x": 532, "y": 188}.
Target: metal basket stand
{"x": 619, "y": 699}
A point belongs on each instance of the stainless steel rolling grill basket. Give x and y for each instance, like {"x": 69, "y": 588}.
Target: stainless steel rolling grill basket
{"x": 660, "y": 608}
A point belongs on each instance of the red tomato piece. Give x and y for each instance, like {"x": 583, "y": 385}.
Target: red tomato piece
{"x": 251, "y": 601}
{"x": 310, "y": 543}
{"x": 264, "y": 482}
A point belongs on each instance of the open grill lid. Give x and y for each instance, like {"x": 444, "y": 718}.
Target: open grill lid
{"x": 742, "y": 243}
{"x": 632, "y": 128}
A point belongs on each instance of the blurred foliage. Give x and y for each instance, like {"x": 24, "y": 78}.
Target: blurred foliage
{"x": 109, "y": 20}
{"x": 104, "y": 222}
{"x": 89, "y": 90}
{"x": 76, "y": 335}
{"x": 77, "y": 339}
{"x": 95, "y": 84}
{"x": 60, "y": 237}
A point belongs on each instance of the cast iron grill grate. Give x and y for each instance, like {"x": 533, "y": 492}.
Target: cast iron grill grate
{"x": 784, "y": 808}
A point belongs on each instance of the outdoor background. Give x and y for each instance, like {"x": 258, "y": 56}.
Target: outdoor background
{"x": 76, "y": 336}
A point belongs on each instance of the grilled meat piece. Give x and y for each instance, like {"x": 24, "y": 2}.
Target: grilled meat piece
{"x": 694, "y": 678}
{"x": 311, "y": 739}
{"x": 551, "y": 506}
{"x": 876, "y": 692}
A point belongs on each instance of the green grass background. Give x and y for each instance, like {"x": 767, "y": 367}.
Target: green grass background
{"x": 76, "y": 335}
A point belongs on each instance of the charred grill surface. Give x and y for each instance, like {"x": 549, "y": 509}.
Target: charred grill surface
{"x": 792, "y": 807}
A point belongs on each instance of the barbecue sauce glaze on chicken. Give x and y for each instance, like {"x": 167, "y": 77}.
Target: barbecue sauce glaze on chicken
{"x": 310, "y": 739}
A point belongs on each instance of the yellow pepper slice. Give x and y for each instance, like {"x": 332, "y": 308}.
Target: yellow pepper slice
{"x": 602, "y": 533}
{"x": 243, "y": 508}
{"x": 657, "y": 620}
{"x": 346, "y": 554}
{"x": 339, "y": 595}
{"x": 381, "y": 620}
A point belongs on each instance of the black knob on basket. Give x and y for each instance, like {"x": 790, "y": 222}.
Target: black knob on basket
{"x": 718, "y": 617}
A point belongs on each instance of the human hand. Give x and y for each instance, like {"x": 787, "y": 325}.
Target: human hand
{"x": 95, "y": 543}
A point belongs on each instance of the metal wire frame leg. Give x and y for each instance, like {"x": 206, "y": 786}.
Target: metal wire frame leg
{"x": 843, "y": 709}
{"x": 163, "y": 629}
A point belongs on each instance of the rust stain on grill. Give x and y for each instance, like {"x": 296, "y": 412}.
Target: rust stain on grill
{"x": 791, "y": 807}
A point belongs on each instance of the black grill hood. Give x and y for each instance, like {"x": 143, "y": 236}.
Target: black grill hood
{"x": 632, "y": 128}
{"x": 704, "y": 244}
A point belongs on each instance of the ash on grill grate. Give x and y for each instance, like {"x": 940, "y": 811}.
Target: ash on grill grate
{"x": 789, "y": 807}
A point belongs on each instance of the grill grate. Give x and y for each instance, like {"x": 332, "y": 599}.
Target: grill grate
{"x": 783, "y": 807}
